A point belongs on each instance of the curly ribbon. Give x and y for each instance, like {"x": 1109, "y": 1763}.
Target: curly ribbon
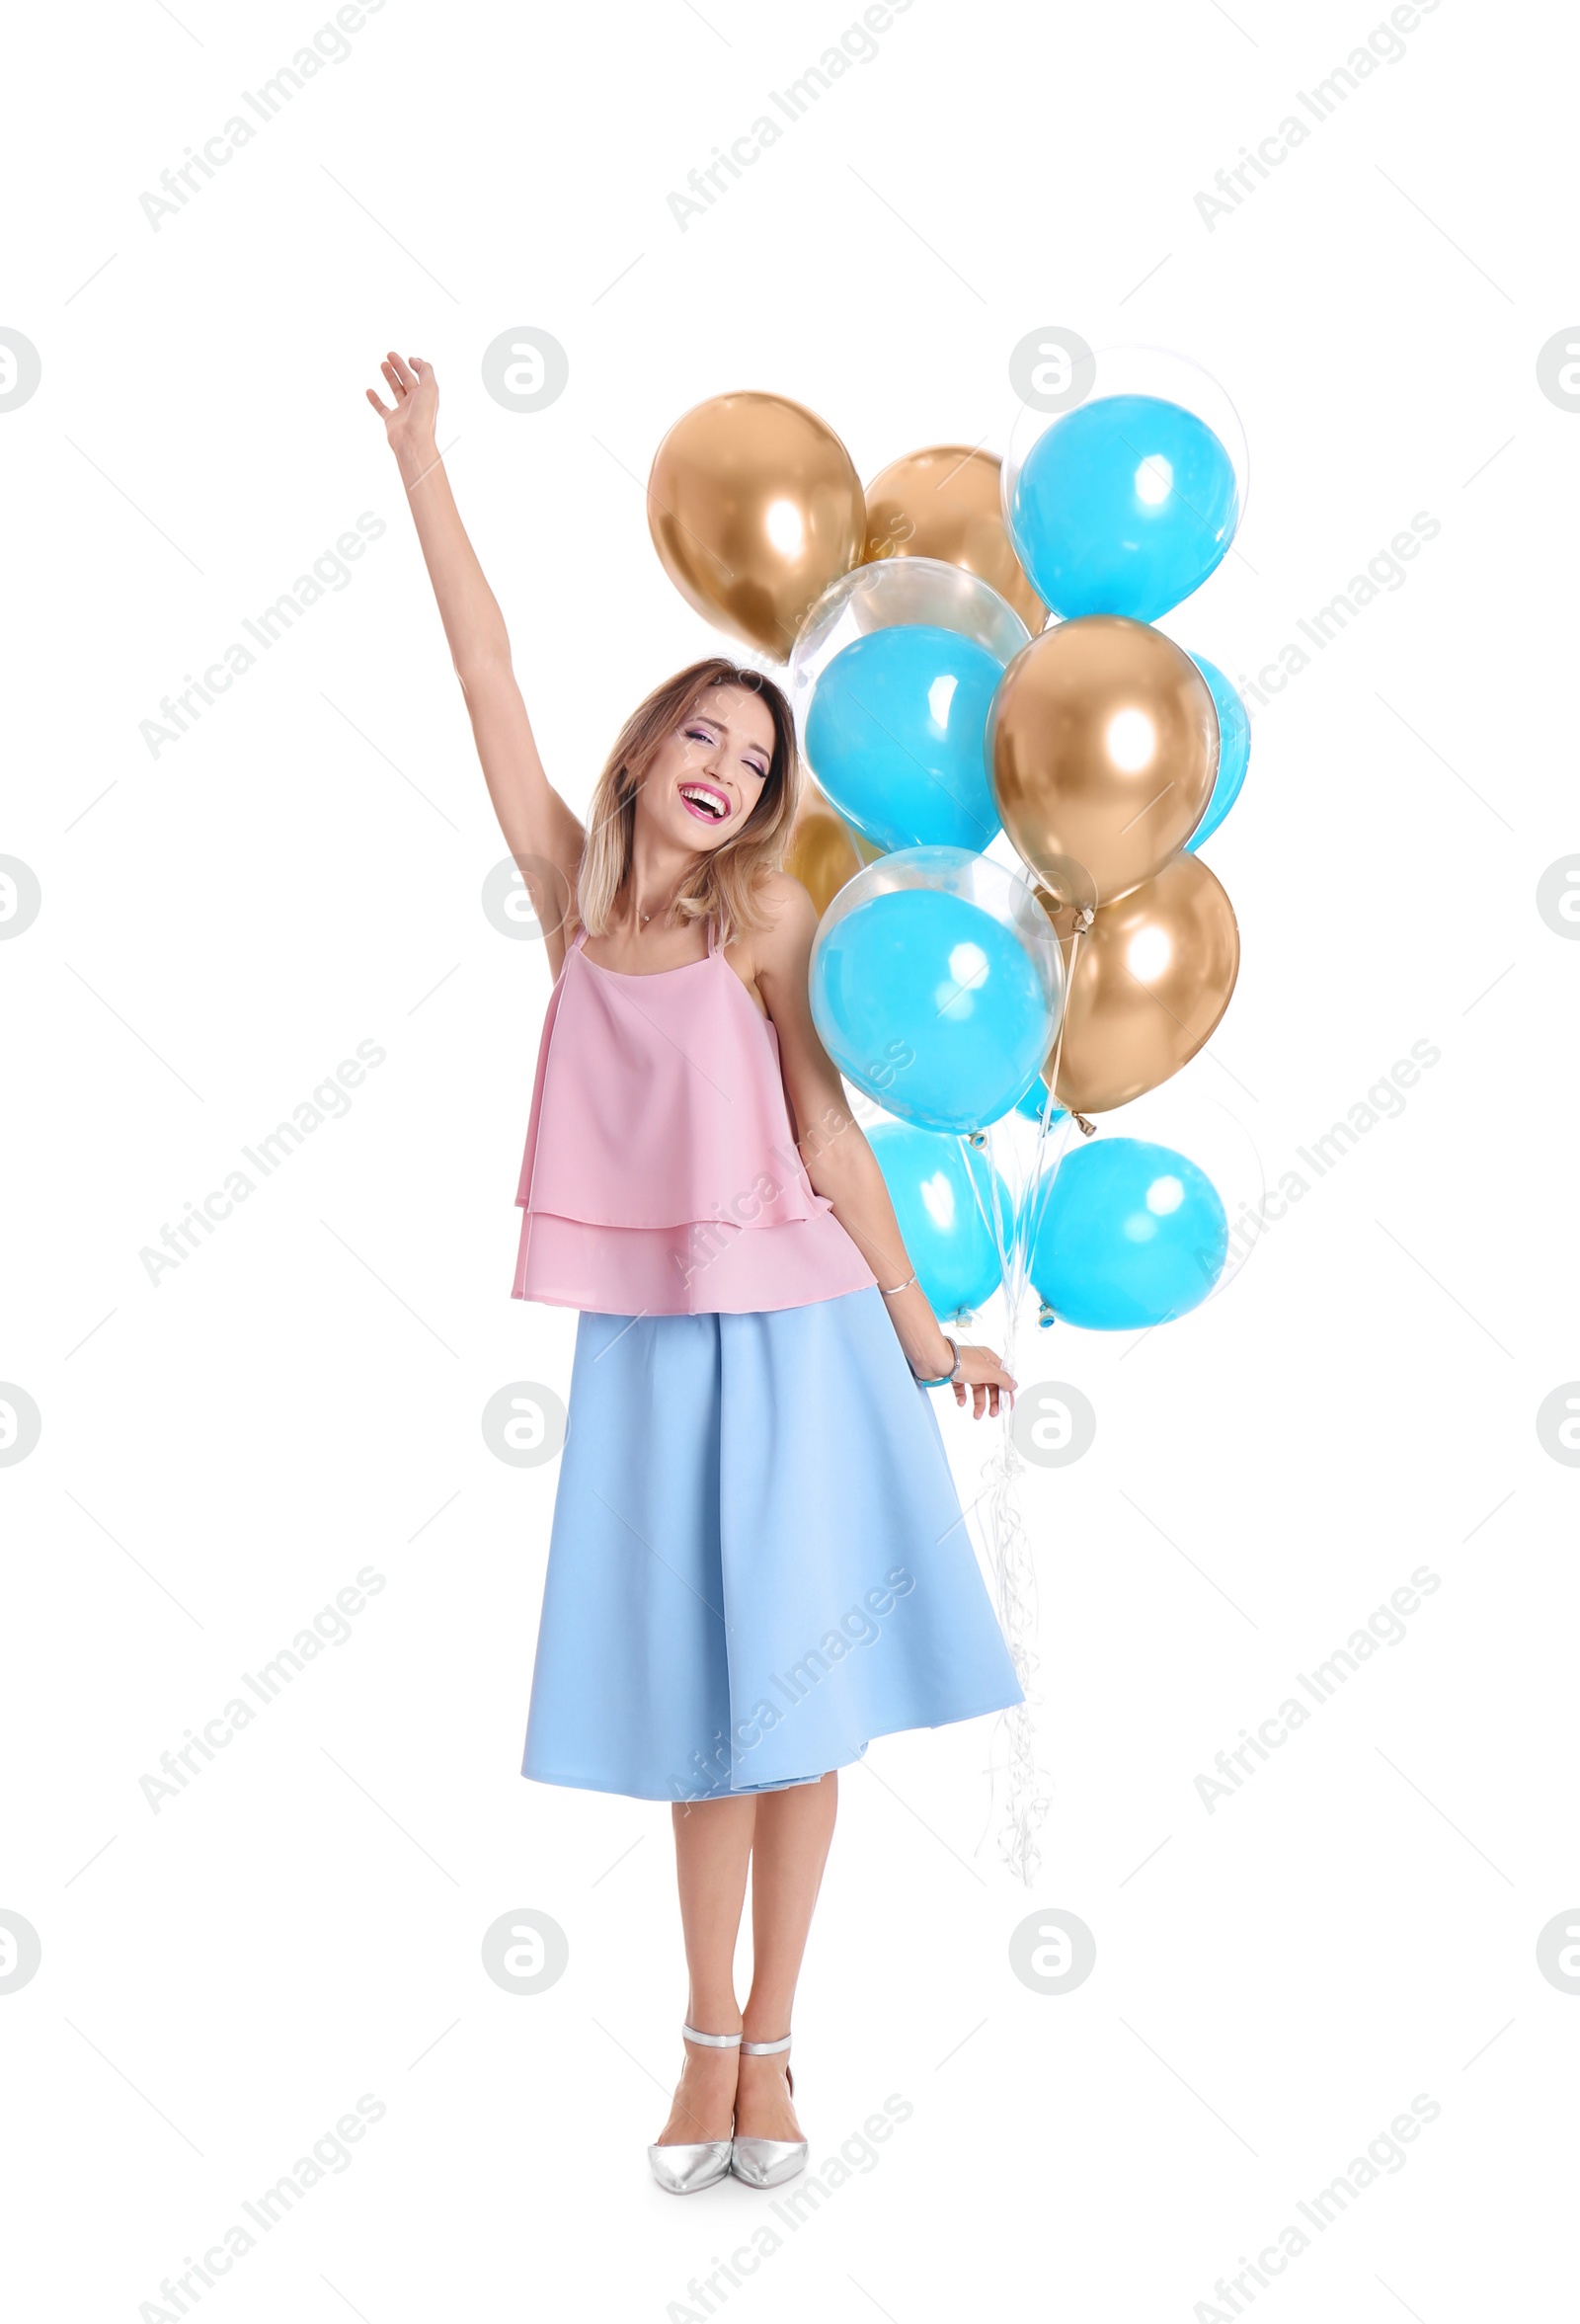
{"x": 1007, "y": 1542}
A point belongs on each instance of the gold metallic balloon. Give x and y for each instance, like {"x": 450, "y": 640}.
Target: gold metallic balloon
{"x": 1152, "y": 977}
{"x": 945, "y": 503}
{"x": 823, "y": 852}
{"x": 1105, "y": 750}
{"x": 754, "y": 508}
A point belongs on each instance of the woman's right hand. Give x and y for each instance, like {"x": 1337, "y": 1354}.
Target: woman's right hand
{"x": 409, "y": 426}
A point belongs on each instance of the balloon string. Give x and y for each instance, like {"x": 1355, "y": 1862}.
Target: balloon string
{"x": 1010, "y": 1547}
{"x": 1009, "y": 1557}
{"x": 1041, "y": 1188}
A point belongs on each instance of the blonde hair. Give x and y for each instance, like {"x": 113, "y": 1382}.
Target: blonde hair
{"x": 723, "y": 885}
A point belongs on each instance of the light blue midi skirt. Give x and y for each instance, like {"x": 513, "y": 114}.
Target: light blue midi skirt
{"x": 758, "y": 1560}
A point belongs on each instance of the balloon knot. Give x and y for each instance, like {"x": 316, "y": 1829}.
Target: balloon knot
{"x": 1086, "y": 1127}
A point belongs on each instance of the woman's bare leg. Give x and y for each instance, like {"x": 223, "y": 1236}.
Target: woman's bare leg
{"x": 789, "y": 1850}
{"x": 712, "y": 1848}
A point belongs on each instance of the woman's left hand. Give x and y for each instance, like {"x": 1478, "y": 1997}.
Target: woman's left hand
{"x": 984, "y": 1379}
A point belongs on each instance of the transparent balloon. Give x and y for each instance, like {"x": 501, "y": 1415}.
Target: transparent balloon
{"x": 892, "y": 680}
{"x": 937, "y": 986}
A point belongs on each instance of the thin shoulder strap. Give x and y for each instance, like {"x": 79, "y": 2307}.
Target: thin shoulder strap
{"x": 712, "y": 935}
{"x": 580, "y": 938}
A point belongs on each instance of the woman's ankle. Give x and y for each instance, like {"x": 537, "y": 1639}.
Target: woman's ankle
{"x": 765, "y": 2022}
{"x": 719, "y": 2017}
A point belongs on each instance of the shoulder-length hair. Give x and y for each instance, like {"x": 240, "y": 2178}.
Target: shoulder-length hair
{"x": 724, "y": 884}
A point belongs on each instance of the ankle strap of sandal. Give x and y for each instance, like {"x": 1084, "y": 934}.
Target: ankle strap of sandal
{"x": 763, "y": 2048}
{"x": 712, "y": 2040}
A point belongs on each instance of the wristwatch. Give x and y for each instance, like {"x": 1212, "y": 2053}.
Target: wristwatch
{"x": 946, "y": 1379}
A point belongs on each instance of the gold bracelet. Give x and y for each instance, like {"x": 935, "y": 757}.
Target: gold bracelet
{"x": 899, "y": 1287}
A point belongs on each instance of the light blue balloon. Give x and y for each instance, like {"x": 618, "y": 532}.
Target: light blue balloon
{"x": 1130, "y": 1234}
{"x": 1233, "y": 751}
{"x": 932, "y": 1005}
{"x": 1124, "y": 506}
{"x": 1036, "y": 1098}
{"x": 941, "y": 1201}
{"x": 895, "y": 734}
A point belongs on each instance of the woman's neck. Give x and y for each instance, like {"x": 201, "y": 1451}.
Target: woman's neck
{"x": 648, "y": 893}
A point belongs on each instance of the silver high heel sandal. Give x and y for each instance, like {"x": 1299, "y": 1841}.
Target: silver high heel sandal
{"x": 681, "y": 2170}
{"x": 768, "y": 2162}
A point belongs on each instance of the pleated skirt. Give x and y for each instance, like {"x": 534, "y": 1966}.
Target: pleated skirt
{"x": 758, "y": 1561}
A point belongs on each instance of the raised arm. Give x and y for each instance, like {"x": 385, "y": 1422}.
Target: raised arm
{"x": 539, "y": 829}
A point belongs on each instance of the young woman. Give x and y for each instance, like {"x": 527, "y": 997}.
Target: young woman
{"x": 758, "y": 1559}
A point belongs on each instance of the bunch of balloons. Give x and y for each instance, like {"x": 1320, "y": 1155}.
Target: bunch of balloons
{"x": 973, "y": 667}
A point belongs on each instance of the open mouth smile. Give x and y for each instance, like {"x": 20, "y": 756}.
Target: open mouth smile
{"x": 706, "y": 802}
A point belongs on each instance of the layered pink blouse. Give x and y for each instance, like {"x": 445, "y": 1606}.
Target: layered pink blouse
{"x": 661, "y": 1175}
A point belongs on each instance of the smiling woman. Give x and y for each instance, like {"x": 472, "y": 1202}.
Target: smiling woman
{"x": 751, "y": 1454}
{"x": 712, "y": 747}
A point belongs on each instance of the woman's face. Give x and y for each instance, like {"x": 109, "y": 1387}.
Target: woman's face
{"x": 707, "y": 776}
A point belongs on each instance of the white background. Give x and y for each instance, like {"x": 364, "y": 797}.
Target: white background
{"x": 219, "y": 1454}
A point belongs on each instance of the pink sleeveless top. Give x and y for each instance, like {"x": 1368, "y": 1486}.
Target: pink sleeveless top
{"x": 661, "y": 1175}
